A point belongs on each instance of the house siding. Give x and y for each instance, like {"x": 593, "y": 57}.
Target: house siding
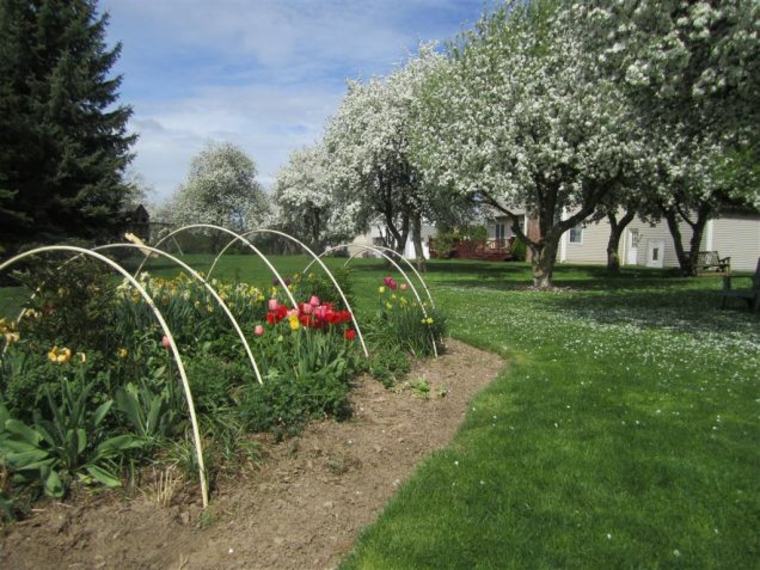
{"x": 739, "y": 237}
{"x": 593, "y": 246}
{"x": 660, "y": 231}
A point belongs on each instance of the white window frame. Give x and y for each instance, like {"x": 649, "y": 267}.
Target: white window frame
{"x": 579, "y": 229}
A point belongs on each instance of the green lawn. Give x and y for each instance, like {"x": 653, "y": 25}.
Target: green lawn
{"x": 622, "y": 434}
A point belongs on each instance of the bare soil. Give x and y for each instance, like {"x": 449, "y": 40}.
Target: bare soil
{"x": 302, "y": 507}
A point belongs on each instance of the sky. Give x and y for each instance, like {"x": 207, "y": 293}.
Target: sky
{"x": 262, "y": 74}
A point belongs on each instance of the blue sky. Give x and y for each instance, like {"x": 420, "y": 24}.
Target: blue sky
{"x": 262, "y": 74}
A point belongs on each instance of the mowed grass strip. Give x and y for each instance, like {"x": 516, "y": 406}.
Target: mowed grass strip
{"x": 622, "y": 434}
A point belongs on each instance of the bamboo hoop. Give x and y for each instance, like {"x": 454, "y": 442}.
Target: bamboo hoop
{"x": 208, "y": 287}
{"x": 315, "y": 259}
{"x": 398, "y": 268}
{"x": 252, "y": 247}
{"x": 167, "y": 332}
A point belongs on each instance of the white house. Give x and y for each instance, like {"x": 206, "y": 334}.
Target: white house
{"x": 733, "y": 234}
{"x": 377, "y": 236}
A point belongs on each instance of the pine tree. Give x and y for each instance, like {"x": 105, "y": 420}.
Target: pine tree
{"x": 63, "y": 138}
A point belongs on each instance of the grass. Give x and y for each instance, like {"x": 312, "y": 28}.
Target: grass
{"x": 622, "y": 434}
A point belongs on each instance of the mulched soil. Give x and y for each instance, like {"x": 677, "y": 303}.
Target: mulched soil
{"x": 301, "y": 507}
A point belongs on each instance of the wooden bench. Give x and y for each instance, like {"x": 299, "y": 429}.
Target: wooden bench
{"x": 751, "y": 295}
{"x": 707, "y": 260}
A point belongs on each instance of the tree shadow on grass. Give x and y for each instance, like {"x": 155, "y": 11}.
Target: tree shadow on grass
{"x": 693, "y": 310}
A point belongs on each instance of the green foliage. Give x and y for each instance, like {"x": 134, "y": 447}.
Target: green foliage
{"x": 64, "y": 145}
{"x": 402, "y": 322}
{"x": 519, "y": 249}
{"x": 388, "y": 363}
{"x": 69, "y": 441}
{"x": 307, "y": 376}
{"x": 73, "y": 306}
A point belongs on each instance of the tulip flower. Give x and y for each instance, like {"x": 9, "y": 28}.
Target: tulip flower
{"x": 349, "y": 334}
{"x": 314, "y": 301}
{"x": 259, "y": 330}
{"x": 166, "y": 343}
{"x": 307, "y": 308}
{"x": 273, "y": 304}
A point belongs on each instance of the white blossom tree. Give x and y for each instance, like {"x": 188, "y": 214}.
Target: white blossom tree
{"x": 521, "y": 118}
{"x": 307, "y": 208}
{"x": 369, "y": 158}
{"x": 221, "y": 189}
{"x": 692, "y": 71}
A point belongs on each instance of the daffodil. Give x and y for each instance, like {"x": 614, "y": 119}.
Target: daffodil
{"x": 294, "y": 323}
{"x": 122, "y": 352}
{"x": 381, "y": 289}
{"x": 11, "y": 337}
{"x": 59, "y": 355}
{"x": 82, "y": 357}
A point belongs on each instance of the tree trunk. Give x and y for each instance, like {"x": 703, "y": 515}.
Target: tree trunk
{"x": 544, "y": 255}
{"x": 613, "y": 244}
{"x": 688, "y": 261}
{"x": 419, "y": 252}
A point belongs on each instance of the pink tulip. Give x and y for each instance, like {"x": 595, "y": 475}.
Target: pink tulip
{"x": 293, "y": 313}
{"x": 273, "y": 304}
{"x": 307, "y": 309}
{"x": 314, "y": 301}
{"x": 166, "y": 343}
{"x": 259, "y": 330}
{"x": 321, "y": 312}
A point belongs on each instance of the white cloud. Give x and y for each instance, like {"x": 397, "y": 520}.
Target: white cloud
{"x": 262, "y": 74}
{"x": 267, "y": 122}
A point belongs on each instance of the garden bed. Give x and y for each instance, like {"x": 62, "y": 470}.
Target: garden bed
{"x": 301, "y": 506}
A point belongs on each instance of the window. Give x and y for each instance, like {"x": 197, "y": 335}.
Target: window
{"x": 576, "y": 234}
{"x": 500, "y": 231}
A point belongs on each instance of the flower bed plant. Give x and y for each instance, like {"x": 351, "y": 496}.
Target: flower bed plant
{"x": 89, "y": 391}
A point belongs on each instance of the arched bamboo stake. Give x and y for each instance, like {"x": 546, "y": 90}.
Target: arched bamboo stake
{"x": 168, "y": 333}
{"x": 398, "y": 268}
{"x": 409, "y": 264}
{"x": 315, "y": 258}
{"x": 253, "y": 248}
{"x": 208, "y": 287}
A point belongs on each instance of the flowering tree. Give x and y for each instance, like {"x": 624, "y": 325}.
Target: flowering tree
{"x": 306, "y": 206}
{"x": 521, "y": 117}
{"x": 368, "y": 145}
{"x": 691, "y": 69}
{"x": 221, "y": 188}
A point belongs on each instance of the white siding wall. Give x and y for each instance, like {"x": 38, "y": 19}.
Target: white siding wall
{"x": 739, "y": 237}
{"x": 659, "y": 231}
{"x": 593, "y": 248}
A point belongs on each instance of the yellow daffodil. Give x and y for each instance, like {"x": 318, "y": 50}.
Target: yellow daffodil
{"x": 82, "y": 357}
{"x": 381, "y": 289}
{"x": 294, "y": 323}
{"x": 59, "y": 355}
{"x": 11, "y": 337}
{"x": 429, "y": 320}
{"x": 122, "y": 352}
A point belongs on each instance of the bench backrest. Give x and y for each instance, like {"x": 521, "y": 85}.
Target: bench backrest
{"x": 756, "y": 276}
{"x": 708, "y": 258}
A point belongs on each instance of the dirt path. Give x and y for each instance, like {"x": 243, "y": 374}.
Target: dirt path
{"x": 303, "y": 509}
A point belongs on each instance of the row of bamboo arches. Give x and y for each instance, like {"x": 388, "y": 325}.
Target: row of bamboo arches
{"x": 95, "y": 253}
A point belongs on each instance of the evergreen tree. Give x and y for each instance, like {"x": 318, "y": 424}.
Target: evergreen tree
{"x": 63, "y": 139}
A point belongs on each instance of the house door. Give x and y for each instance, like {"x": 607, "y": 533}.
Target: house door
{"x": 632, "y": 256}
{"x": 655, "y": 252}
